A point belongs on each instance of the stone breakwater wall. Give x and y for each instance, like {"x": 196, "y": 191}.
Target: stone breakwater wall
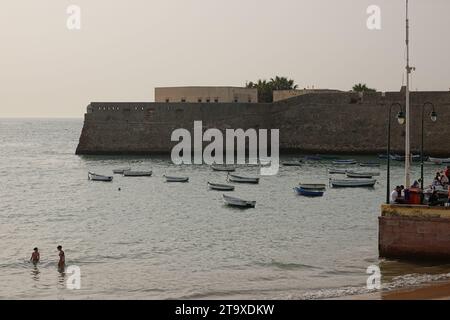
{"x": 321, "y": 123}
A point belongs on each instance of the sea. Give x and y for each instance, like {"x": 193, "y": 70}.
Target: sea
{"x": 143, "y": 238}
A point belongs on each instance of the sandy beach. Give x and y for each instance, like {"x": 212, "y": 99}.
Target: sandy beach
{"x": 433, "y": 291}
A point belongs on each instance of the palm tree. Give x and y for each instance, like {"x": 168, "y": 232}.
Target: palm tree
{"x": 360, "y": 87}
{"x": 266, "y": 88}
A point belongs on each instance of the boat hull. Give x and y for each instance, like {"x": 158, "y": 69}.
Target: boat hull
{"x": 308, "y": 193}
{"x": 236, "y": 202}
{"x": 220, "y": 187}
{"x": 356, "y": 183}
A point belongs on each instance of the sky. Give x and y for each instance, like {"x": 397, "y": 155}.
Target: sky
{"x": 125, "y": 48}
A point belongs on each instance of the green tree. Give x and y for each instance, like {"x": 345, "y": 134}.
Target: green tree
{"x": 360, "y": 87}
{"x": 266, "y": 88}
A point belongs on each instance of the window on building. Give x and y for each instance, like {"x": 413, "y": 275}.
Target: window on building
{"x": 208, "y": 100}
{"x": 183, "y": 99}
{"x": 236, "y": 100}
{"x": 216, "y": 100}
{"x": 167, "y": 100}
{"x": 199, "y": 100}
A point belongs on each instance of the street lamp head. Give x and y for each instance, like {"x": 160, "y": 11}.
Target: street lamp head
{"x": 433, "y": 116}
{"x": 401, "y": 118}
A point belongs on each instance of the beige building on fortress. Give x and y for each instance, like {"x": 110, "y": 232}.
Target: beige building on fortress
{"x": 206, "y": 95}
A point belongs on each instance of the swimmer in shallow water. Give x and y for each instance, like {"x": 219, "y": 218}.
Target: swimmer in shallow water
{"x": 35, "y": 256}
{"x": 62, "y": 258}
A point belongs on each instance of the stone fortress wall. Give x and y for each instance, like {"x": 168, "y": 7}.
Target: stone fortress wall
{"x": 336, "y": 122}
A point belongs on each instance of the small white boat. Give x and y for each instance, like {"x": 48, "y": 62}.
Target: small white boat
{"x": 359, "y": 175}
{"x": 352, "y": 183}
{"x": 337, "y": 171}
{"x": 370, "y": 164}
{"x": 347, "y": 161}
{"x": 130, "y": 173}
{"x": 121, "y": 171}
{"x": 220, "y": 187}
{"x": 313, "y": 186}
{"x": 241, "y": 179}
{"x": 223, "y": 167}
{"x": 236, "y": 202}
{"x": 98, "y": 177}
{"x": 365, "y": 173}
{"x": 297, "y": 163}
{"x": 176, "y": 179}
{"x": 439, "y": 160}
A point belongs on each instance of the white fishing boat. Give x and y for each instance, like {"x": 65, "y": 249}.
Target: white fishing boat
{"x": 337, "y": 171}
{"x": 352, "y": 183}
{"x": 241, "y": 179}
{"x": 359, "y": 175}
{"x": 370, "y": 164}
{"x": 236, "y": 202}
{"x": 348, "y": 161}
{"x": 98, "y": 177}
{"x": 176, "y": 179}
{"x": 439, "y": 160}
{"x": 130, "y": 173}
{"x": 121, "y": 170}
{"x": 220, "y": 187}
{"x": 223, "y": 167}
{"x": 365, "y": 173}
{"x": 313, "y": 186}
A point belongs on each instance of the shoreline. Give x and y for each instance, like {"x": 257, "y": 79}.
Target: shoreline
{"x": 439, "y": 290}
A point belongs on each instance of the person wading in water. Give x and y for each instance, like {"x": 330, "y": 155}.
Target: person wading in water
{"x": 62, "y": 258}
{"x": 35, "y": 256}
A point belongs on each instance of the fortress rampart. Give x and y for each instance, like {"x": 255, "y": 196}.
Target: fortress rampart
{"x": 324, "y": 123}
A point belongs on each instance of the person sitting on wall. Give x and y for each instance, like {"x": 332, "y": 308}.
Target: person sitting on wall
{"x": 437, "y": 180}
{"x": 447, "y": 172}
{"x": 396, "y": 195}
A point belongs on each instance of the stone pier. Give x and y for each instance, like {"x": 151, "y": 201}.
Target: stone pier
{"x": 414, "y": 232}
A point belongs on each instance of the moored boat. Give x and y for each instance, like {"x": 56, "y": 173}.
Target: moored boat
{"x": 176, "y": 179}
{"x": 296, "y": 163}
{"x": 365, "y": 173}
{"x": 220, "y": 187}
{"x": 313, "y": 186}
{"x": 337, "y": 171}
{"x": 131, "y": 173}
{"x": 439, "y": 160}
{"x": 241, "y": 179}
{"x": 346, "y": 161}
{"x": 370, "y": 164}
{"x": 309, "y": 192}
{"x": 223, "y": 167}
{"x": 236, "y": 202}
{"x": 352, "y": 183}
{"x": 121, "y": 170}
{"x": 98, "y": 177}
{"x": 359, "y": 175}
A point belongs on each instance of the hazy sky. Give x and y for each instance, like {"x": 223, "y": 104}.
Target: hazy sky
{"x": 126, "y": 48}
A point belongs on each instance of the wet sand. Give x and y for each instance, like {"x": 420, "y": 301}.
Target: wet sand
{"x": 434, "y": 291}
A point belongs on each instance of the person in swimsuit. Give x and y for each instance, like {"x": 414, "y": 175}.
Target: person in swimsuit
{"x": 62, "y": 258}
{"x": 35, "y": 256}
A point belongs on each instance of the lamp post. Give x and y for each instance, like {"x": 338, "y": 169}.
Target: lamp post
{"x": 433, "y": 117}
{"x": 401, "y": 121}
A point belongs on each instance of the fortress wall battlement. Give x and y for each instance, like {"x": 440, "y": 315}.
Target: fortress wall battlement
{"x": 327, "y": 122}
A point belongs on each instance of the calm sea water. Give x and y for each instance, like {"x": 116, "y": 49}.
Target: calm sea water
{"x": 154, "y": 240}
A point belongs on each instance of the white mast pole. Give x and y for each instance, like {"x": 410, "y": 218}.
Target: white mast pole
{"x": 408, "y": 115}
